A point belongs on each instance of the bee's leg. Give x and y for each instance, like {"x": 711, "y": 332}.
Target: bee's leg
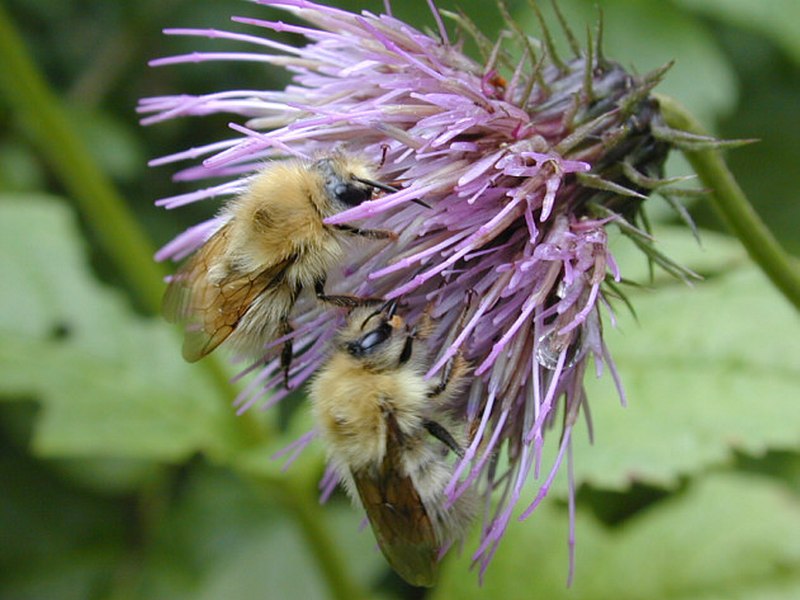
{"x": 373, "y": 234}
{"x": 441, "y": 434}
{"x": 284, "y": 329}
{"x": 442, "y": 385}
{"x": 344, "y": 300}
{"x": 424, "y": 326}
{"x": 453, "y": 369}
{"x": 287, "y": 352}
{"x": 384, "y": 152}
{"x": 408, "y": 348}
{"x": 457, "y": 366}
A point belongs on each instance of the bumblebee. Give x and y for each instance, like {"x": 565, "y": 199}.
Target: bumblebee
{"x": 390, "y": 440}
{"x": 242, "y": 283}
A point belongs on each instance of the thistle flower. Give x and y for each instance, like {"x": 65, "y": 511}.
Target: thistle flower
{"x": 524, "y": 164}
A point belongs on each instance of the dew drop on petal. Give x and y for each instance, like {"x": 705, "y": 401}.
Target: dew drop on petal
{"x": 551, "y": 345}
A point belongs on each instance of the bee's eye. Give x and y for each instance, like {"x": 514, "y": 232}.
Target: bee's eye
{"x": 370, "y": 340}
{"x": 351, "y": 194}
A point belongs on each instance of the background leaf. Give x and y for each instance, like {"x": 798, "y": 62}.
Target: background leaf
{"x": 779, "y": 20}
{"x": 223, "y": 538}
{"x": 110, "y": 383}
{"x": 728, "y": 536}
{"x": 708, "y": 371}
{"x": 58, "y": 542}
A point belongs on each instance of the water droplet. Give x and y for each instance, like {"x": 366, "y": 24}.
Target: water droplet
{"x": 551, "y": 345}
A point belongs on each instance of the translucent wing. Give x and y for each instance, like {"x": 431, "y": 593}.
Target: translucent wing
{"x": 398, "y": 517}
{"x": 211, "y": 310}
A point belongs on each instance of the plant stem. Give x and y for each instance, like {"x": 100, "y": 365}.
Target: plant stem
{"x": 341, "y": 584}
{"x": 731, "y": 203}
{"x": 46, "y": 122}
{"x": 118, "y": 232}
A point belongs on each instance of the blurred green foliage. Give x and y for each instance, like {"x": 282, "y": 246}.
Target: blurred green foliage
{"x": 125, "y": 473}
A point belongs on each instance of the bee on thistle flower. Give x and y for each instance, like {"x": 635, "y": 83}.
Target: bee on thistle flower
{"x": 521, "y": 166}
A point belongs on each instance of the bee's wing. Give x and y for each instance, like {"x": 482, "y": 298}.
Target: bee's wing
{"x": 398, "y": 517}
{"x": 210, "y": 310}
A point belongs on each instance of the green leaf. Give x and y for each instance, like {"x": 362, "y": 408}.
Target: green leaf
{"x": 107, "y": 475}
{"x": 728, "y": 536}
{"x": 58, "y": 543}
{"x": 709, "y": 371}
{"x": 715, "y": 254}
{"x": 273, "y": 458}
{"x": 779, "y": 20}
{"x": 225, "y": 539}
{"x": 646, "y": 35}
{"x": 111, "y": 383}
{"x": 783, "y": 466}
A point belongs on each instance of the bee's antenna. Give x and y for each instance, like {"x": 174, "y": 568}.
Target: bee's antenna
{"x": 421, "y": 203}
{"x": 388, "y": 188}
{"x": 390, "y": 307}
{"x": 377, "y": 185}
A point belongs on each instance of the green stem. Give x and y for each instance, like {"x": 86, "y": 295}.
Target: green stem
{"x": 46, "y": 123}
{"x": 118, "y": 232}
{"x": 330, "y": 559}
{"x": 732, "y": 204}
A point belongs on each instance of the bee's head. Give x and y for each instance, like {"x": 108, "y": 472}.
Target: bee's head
{"x": 379, "y": 337}
{"x": 347, "y": 181}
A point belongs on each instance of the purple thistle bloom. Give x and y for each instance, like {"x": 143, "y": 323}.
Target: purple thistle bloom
{"x": 524, "y": 166}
